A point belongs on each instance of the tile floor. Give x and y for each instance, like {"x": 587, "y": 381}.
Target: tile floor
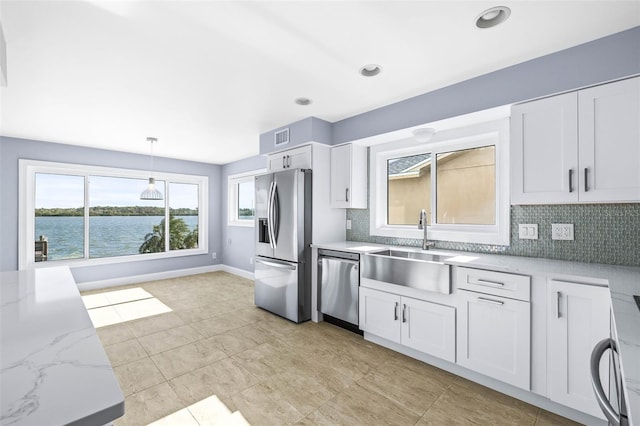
{"x": 215, "y": 345}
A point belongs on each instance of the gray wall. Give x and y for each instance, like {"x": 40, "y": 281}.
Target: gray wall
{"x": 608, "y": 58}
{"x": 310, "y": 129}
{"x": 237, "y": 241}
{"x": 12, "y": 149}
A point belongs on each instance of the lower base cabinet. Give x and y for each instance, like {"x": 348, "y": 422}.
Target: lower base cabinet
{"x": 424, "y": 326}
{"x": 494, "y": 337}
{"x": 578, "y": 317}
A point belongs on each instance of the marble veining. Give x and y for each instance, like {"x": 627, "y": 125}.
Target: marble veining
{"x": 53, "y": 367}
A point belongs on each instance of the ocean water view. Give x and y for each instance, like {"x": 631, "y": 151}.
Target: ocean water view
{"x": 109, "y": 236}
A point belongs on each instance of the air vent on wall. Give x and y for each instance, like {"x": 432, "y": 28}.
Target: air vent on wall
{"x": 281, "y": 137}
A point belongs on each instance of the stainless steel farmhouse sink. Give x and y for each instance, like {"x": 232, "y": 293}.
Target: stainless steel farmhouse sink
{"x": 424, "y": 271}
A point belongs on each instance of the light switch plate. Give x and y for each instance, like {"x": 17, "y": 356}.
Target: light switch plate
{"x": 562, "y": 231}
{"x": 528, "y": 231}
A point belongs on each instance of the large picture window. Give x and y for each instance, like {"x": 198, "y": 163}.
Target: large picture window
{"x": 459, "y": 178}
{"x": 72, "y": 213}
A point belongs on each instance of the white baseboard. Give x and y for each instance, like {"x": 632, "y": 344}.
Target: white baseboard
{"x": 237, "y": 271}
{"x": 133, "y": 279}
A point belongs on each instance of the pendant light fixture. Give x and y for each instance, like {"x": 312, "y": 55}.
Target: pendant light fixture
{"x": 151, "y": 193}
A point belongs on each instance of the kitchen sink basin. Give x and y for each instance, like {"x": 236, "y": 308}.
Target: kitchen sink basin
{"x": 424, "y": 271}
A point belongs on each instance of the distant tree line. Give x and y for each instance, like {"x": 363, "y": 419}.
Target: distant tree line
{"x": 116, "y": 211}
{"x": 245, "y": 212}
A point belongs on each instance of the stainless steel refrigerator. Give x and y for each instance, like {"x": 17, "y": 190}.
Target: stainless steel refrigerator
{"x": 283, "y": 238}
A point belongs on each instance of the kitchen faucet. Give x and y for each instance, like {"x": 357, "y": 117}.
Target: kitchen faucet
{"x": 422, "y": 224}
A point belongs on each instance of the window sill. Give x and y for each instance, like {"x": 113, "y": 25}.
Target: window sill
{"x": 242, "y": 224}
{"x": 80, "y": 263}
{"x": 464, "y": 234}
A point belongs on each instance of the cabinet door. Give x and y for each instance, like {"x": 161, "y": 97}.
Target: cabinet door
{"x": 380, "y": 314}
{"x": 299, "y": 158}
{"x": 577, "y": 319}
{"x": 429, "y": 328}
{"x": 295, "y": 158}
{"x": 340, "y": 176}
{"x": 544, "y": 157}
{"x": 494, "y": 337}
{"x": 609, "y": 130}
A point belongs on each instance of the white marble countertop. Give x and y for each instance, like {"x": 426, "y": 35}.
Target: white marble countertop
{"x": 623, "y": 283}
{"x": 53, "y": 368}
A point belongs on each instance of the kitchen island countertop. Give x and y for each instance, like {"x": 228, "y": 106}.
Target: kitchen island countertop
{"x": 53, "y": 368}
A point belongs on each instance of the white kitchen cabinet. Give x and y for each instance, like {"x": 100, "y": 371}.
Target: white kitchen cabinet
{"x": 295, "y": 158}
{"x": 544, "y": 144}
{"x": 609, "y": 134}
{"x": 349, "y": 176}
{"x": 577, "y": 318}
{"x": 581, "y": 146}
{"x": 494, "y": 337}
{"x": 421, "y": 325}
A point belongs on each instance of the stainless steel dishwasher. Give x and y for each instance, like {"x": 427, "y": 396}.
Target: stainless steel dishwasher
{"x": 339, "y": 278}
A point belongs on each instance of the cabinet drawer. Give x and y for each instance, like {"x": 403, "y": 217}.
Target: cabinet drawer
{"x": 497, "y": 283}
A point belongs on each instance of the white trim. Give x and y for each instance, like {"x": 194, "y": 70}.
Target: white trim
{"x": 232, "y": 197}
{"x": 135, "y": 279}
{"x": 490, "y": 133}
{"x": 26, "y": 219}
{"x": 237, "y": 271}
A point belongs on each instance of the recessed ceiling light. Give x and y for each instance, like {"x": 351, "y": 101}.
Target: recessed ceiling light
{"x": 492, "y": 17}
{"x": 370, "y": 70}
{"x": 303, "y": 101}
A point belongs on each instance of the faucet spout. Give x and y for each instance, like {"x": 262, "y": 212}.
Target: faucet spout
{"x": 422, "y": 224}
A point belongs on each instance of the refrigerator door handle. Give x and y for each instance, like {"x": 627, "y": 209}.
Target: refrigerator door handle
{"x": 270, "y": 216}
{"x": 596, "y": 383}
{"x": 276, "y": 264}
{"x": 275, "y": 216}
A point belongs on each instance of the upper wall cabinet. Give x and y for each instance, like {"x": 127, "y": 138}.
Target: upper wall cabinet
{"x": 349, "y": 176}
{"x": 295, "y": 158}
{"x": 578, "y": 147}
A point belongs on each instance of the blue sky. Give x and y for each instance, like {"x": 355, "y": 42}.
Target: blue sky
{"x": 65, "y": 191}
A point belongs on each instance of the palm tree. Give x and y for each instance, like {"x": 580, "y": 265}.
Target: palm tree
{"x": 179, "y": 237}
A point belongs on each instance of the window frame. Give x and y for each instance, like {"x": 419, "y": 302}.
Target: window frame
{"x": 494, "y": 133}
{"x": 232, "y": 197}
{"x": 26, "y": 221}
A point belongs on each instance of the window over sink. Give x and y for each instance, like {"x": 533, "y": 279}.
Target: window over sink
{"x": 460, "y": 178}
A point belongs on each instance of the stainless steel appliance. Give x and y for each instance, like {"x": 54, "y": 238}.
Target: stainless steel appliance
{"x": 339, "y": 278}
{"x": 612, "y": 405}
{"x": 283, "y": 238}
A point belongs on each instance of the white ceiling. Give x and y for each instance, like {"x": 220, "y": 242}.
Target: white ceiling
{"x": 207, "y": 77}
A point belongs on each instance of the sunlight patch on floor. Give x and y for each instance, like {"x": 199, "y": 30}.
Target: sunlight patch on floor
{"x": 207, "y": 412}
{"x": 119, "y": 306}
{"x": 113, "y": 297}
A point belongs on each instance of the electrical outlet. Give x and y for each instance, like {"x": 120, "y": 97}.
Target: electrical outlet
{"x": 528, "y": 231}
{"x": 562, "y": 231}
{"x": 348, "y": 223}
{"x": 251, "y": 261}
{"x": 214, "y": 255}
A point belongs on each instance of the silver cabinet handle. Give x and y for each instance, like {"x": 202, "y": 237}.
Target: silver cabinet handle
{"x": 491, "y": 301}
{"x": 597, "y": 353}
{"x": 570, "y": 180}
{"x": 284, "y": 164}
{"x": 395, "y": 312}
{"x": 558, "y": 300}
{"x": 586, "y": 176}
{"x": 404, "y": 313}
{"x": 288, "y": 161}
{"x": 346, "y": 194}
{"x": 489, "y": 283}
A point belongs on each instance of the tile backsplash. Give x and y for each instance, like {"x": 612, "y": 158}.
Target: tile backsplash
{"x": 604, "y": 233}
